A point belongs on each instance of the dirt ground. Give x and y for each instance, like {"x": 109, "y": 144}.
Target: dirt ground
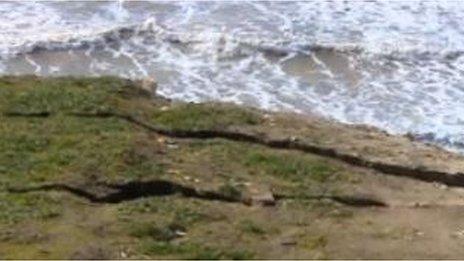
{"x": 98, "y": 168}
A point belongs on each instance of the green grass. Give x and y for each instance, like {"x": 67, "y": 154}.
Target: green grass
{"x": 64, "y": 148}
{"x": 15, "y": 208}
{"x": 204, "y": 116}
{"x": 156, "y": 232}
{"x": 193, "y": 251}
{"x": 259, "y": 160}
{"x": 315, "y": 242}
{"x": 61, "y": 146}
{"x": 288, "y": 166}
{"x": 249, "y": 226}
{"x": 59, "y": 94}
{"x": 231, "y": 191}
{"x": 50, "y": 149}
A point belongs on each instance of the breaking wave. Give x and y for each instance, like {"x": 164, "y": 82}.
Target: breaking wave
{"x": 350, "y": 61}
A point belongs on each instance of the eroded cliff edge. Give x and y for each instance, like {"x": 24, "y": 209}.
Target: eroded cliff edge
{"x": 101, "y": 167}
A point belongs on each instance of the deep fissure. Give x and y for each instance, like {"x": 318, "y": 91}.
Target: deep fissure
{"x": 119, "y": 192}
{"x": 127, "y": 191}
{"x": 449, "y": 179}
{"x": 419, "y": 173}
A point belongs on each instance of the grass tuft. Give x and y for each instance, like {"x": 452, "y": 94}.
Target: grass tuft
{"x": 204, "y": 116}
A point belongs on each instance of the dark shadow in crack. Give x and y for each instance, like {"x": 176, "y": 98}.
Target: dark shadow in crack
{"x": 353, "y": 201}
{"x": 415, "y": 172}
{"x": 119, "y": 192}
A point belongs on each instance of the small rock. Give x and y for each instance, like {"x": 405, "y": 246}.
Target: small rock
{"x": 173, "y": 171}
{"x": 266, "y": 199}
{"x": 421, "y": 205}
{"x": 289, "y": 243}
{"x": 440, "y": 185}
{"x": 269, "y": 118}
{"x": 149, "y": 84}
{"x": 171, "y": 142}
{"x": 180, "y": 233}
{"x": 458, "y": 234}
{"x": 259, "y": 195}
{"x": 172, "y": 146}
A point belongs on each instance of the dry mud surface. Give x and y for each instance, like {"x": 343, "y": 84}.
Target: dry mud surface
{"x": 102, "y": 168}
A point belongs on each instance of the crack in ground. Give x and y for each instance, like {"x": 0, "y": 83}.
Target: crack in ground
{"x": 418, "y": 173}
{"x": 41, "y": 114}
{"x": 120, "y": 192}
{"x": 354, "y": 201}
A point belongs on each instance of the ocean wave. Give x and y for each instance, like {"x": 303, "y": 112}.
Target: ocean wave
{"x": 240, "y": 45}
{"x": 308, "y": 57}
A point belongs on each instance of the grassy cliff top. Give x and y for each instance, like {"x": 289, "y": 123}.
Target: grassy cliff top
{"x": 102, "y": 168}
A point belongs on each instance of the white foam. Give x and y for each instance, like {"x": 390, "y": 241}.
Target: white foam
{"x": 410, "y": 69}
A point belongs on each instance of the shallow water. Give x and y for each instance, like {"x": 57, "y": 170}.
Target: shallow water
{"x": 395, "y": 65}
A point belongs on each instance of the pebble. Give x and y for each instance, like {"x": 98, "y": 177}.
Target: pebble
{"x": 289, "y": 243}
{"x": 440, "y": 186}
{"x": 171, "y": 142}
{"x": 173, "y": 171}
{"x": 180, "y": 233}
{"x": 421, "y": 205}
{"x": 459, "y": 234}
{"x": 265, "y": 199}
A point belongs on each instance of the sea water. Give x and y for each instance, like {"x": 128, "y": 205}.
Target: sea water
{"x": 397, "y": 65}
